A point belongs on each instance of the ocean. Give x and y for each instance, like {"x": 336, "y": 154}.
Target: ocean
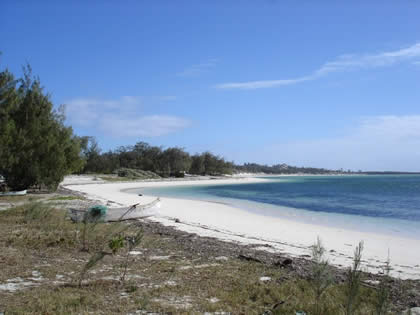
{"x": 387, "y": 204}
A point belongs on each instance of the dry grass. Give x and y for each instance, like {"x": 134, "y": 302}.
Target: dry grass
{"x": 25, "y": 198}
{"x": 165, "y": 277}
{"x": 66, "y": 198}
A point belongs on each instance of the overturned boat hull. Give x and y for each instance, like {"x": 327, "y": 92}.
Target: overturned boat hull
{"x": 13, "y": 193}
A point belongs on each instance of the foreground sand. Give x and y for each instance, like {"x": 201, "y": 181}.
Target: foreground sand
{"x": 274, "y": 234}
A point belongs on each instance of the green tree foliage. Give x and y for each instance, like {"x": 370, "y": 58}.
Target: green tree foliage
{"x": 215, "y": 165}
{"x": 37, "y": 149}
{"x": 176, "y": 161}
{"x": 8, "y": 101}
{"x": 197, "y": 164}
{"x": 172, "y": 161}
{"x": 92, "y": 154}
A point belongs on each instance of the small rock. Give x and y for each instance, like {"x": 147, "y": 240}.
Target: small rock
{"x": 185, "y": 267}
{"x": 159, "y": 257}
{"x": 264, "y": 279}
{"x": 286, "y": 262}
{"x": 372, "y": 282}
{"x": 249, "y": 258}
{"x": 170, "y": 283}
{"x": 221, "y": 258}
{"x": 36, "y": 273}
{"x": 177, "y": 220}
{"x": 206, "y": 265}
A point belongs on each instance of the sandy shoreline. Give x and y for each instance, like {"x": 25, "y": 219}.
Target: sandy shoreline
{"x": 285, "y": 236}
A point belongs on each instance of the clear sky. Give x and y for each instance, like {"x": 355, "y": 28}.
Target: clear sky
{"x": 332, "y": 84}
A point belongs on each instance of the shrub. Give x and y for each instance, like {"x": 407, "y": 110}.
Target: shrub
{"x": 382, "y": 302}
{"x": 321, "y": 276}
{"x": 136, "y": 174}
{"x": 353, "y": 282}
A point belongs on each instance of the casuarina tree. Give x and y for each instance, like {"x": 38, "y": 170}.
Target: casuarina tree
{"x": 36, "y": 148}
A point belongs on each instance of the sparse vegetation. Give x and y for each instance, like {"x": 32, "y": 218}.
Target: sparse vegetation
{"x": 321, "y": 276}
{"x": 16, "y": 199}
{"x": 136, "y": 174}
{"x": 131, "y": 243}
{"x": 117, "y": 236}
{"x": 382, "y": 302}
{"x": 66, "y": 198}
{"x": 353, "y": 282}
{"x": 167, "y": 275}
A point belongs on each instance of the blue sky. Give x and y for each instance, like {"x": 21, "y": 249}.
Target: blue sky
{"x": 328, "y": 83}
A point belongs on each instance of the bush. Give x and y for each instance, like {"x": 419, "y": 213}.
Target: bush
{"x": 353, "y": 282}
{"x": 321, "y": 275}
{"x": 136, "y": 174}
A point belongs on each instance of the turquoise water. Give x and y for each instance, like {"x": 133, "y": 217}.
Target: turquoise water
{"x": 388, "y": 204}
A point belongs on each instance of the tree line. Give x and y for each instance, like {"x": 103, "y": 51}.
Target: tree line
{"x": 176, "y": 161}
{"x": 173, "y": 161}
{"x": 282, "y": 169}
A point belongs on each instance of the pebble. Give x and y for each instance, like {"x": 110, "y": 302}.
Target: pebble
{"x": 159, "y": 257}
{"x": 221, "y": 258}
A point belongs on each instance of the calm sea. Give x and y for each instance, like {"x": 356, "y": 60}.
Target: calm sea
{"x": 388, "y": 204}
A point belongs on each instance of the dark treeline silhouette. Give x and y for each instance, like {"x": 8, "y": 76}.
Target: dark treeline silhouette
{"x": 281, "y": 169}
{"x": 173, "y": 161}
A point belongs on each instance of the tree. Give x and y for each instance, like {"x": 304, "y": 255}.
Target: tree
{"x": 197, "y": 164}
{"x": 177, "y": 159}
{"x": 146, "y": 156}
{"x": 210, "y": 163}
{"x": 37, "y": 148}
{"x": 8, "y": 101}
{"x": 92, "y": 154}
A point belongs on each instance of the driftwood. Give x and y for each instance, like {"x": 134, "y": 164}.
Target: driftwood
{"x": 249, "y": 258}
{"x": 129, "y": 219}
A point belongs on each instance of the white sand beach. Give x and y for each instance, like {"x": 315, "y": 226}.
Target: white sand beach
{"x": 272, "y": 234}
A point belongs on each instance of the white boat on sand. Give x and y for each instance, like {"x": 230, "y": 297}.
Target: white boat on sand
{"x": 13, "y": 193}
